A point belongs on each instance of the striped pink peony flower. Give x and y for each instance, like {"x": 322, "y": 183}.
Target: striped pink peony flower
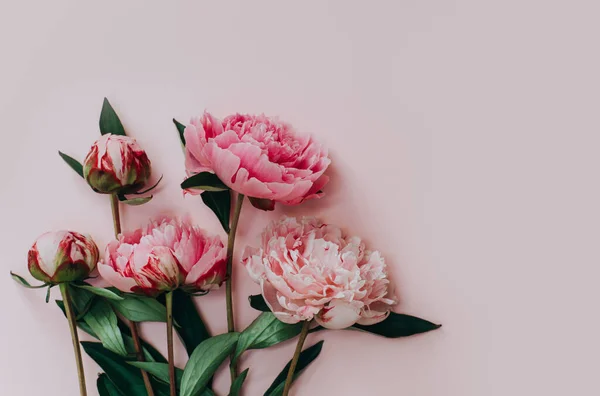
{"x": 62, "y": 256}
{"x": 116, "y": 164}
{"x": 308, "y": 270}
{"x": 257, "y": 156}
{"x": 164, "y": 256}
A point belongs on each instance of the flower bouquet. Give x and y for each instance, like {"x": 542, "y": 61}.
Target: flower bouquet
{"x": 312, "y": 275}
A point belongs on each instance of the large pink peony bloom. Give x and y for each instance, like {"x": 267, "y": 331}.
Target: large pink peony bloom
{"x": 308, "y": 270}
{"x": 257, "y": 156}
{"x": 163, "y": 256}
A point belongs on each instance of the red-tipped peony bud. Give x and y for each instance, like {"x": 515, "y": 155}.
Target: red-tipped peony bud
{"x": 62, "y": 256}
{"x": 116, "y": 164}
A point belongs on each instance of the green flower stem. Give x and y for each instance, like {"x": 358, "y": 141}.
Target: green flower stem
{"x": 229, "y": 276}
{"x": 301, "y": 339}
{"x": 173, "y": 385}
{"x": 114, "y": 204}
{"x": 64, "y": 289}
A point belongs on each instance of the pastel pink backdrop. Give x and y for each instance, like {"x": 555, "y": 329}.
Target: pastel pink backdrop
{"x": 464, "y": 138}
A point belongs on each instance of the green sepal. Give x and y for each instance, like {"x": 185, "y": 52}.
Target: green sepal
{"x": 134, "y": 201}
{"x": 73, "y": 163}
{"x": 23, "y": 282}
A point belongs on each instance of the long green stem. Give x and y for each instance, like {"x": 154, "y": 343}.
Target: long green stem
{"x": 301, "y": 339}
{"x": 114, "y": 204}
{"x": 229, "y": 276}
{"x": 64, "y": 289}
{"x": 169, "y": 301}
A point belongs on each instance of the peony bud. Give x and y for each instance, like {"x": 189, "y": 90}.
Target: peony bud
{"x": 62, "y": 256}
{"x": 116, "y": 164}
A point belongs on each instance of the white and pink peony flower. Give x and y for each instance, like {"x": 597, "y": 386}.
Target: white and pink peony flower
{"x": 308, "y": 270}
{"x": 116, "y": 163}
{"x": 62, "y": 256}
{"x": 257, "y": 156}
{"x": 164, "y": 256}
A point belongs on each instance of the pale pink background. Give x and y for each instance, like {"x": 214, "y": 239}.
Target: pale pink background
{"x": 464, "y": 136}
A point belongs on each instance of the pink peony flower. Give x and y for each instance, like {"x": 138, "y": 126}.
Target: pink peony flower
{"x": 163, "y": 256}
{"x": 257, "y": 156}
{"x": 62, "y": 256}
{"x": 116, "y": 164}
{"x": 308, "y": 270}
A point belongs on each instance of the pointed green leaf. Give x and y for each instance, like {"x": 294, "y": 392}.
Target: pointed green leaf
{"x": 399, "y": 325}
{"x": 23, "y": 282}
{"x": 109, "y": 120}
{"x": 103, "y": 321}
{"x": 135, "y": 201}
{"x": 150, "y": 188}
{"x": 191, "y": 328}
{"x": 73, "y": 163}
{"x": 159, "y": 370}
{"x": 306, "y": 357}
{"x": 106, "y": 387}
{"x": 140, "y": 308}
{"x": 265, "y": 331}
{"x": 81, "y": 299}
{"x": 205, "y": 360}
{"x": 180, "y": 128}
{"x": 100, "y": 291}
{"x": 204, "y": 181}
{"x": 236, "y": 386}
{"x": 258, "y": 302}
{"x": 220, "y": 203}
{"x": 80, "y": 323}
{"x": 126, "y": 378}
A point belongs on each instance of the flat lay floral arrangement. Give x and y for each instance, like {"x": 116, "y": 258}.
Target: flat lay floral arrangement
{"x": 312, "y": 275}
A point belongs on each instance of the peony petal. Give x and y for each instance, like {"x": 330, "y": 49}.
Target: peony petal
{"x": 338, "y": 315}
{"x": 116, "y": 279}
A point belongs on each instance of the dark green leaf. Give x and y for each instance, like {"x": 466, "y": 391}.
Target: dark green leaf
{"x": 306, "y": 357}
{"x": 204, "y": 181}
{"x": 399, "y": 325}
{"x": 220, "y": 203}
{"x": 48, "y": 294}
{"x": 135, "y": 201}
{"x": 106, "y": 387}
{"x": 125, "y": 377}
{"x": 148, "y": 189}
{"x": 236, "y": 386}
{"x": 160, "y": 371}
{"x": 100, "y": 292}
{"x": 103, "y": 321}
{"x": 258, "y": 302}
{"x": 265, "y": 331}
{"x": 140, "y": 308}
{"x": 191, "y": 328}
{"x": 109, "y": 120}
{"x": 81, "y": 299}
{"x": 80, "y": 323}
{"x": 180, "y": 128}
{"x": 23, "y": 282}
{"x": 205, "y": 360}
{"x": 262, "y": 204}
{"x": 73, "y": 163}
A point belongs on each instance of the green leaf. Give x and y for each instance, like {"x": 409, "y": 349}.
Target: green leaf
{"x": 180, "y": 128}
{"x": 73, "y": 163}
{"x": 160, "y": 371}
{"x": 258, "y": 302}
{"x": 236, "y": 386}
{"x": 399, "y": 325}
{"x": 306, "y": 357}
{"x": 125, "y": 377}
{"x": 100, "y": 291}
{"x": 109, "y": 120}
{"x": 140, "y": 308}
{"x": 103, "y": 322}
{"x": 81, "y": 299}
{"x": 80, "y": 323}
{"x": 204, "y": 181}
{"x": 135, "y": 201}
{"x": 265, "y": 331}
{"x": 220, "y": 203}
{"x": 106, "y": 387}
{"x": 23, "y": 282}
{"x": 205, "y": 360}
{"x": 150, "y": 188}
{"x": 191, "y": 328}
